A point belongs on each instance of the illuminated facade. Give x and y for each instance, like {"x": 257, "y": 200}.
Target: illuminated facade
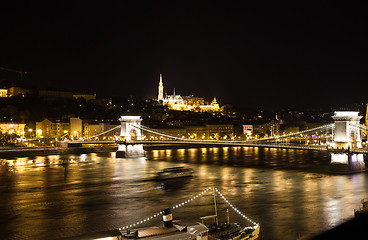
{"x": 91, "y": 129}
{"x": 59, "y": 129}
{"x": 200, "y": 132}
{"x": 13, "y": 91}
{"x": 76, "y": 127}
{"x": 73, "y": 128}
{"x": 49, "y": 129}
{"x": 185, "y": 103}
{"x": 3, "y": 92}
{"x": 11, "y": 127}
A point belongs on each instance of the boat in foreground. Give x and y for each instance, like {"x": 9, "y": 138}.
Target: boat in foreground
{"x": 196, "y": 231}
{"x": 208, "y": 229}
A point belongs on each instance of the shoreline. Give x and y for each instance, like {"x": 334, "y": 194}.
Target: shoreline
{"x": 27, "y": 152}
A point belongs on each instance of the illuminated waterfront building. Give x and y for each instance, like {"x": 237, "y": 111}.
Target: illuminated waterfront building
{"x": 201, "y": 132}
{"x": 59, "y": 129}
{"x": 49, "y": 129}
{"x": 91, "y": 129}
{"x": 73, "y": 128}
{"x": 3, "y": 92}
{"x": 185, "y": 103}
{"x": 76, "y": 127}
{"x": 13, "y": 91}
{"x": 11, "y": 127}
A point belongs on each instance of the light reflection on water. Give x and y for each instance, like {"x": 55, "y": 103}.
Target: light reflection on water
{"x": 288, "y": 191}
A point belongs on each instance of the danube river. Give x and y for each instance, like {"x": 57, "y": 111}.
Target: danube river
{"x": 289, "y": 192}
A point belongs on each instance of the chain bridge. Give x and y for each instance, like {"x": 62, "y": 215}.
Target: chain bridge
{"x": 342, "y": 138}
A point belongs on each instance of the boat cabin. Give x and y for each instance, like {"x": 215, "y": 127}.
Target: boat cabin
{"x": 177, "y": 232}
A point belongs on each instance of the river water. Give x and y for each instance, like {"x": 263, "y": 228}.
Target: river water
{"x": 289, "y": 192}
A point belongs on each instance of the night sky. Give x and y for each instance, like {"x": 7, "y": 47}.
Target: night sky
{"x": 264, "y": 54}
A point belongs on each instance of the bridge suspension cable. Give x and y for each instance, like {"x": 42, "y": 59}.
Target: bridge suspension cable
{"x": 363, "y": 127}
{"x": 110, "y": 130}
{"x": 150, "y": 130}
{"x": 327, "y": 126}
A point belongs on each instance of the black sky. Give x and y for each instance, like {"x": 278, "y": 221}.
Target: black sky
{"x": 249, "y": 55}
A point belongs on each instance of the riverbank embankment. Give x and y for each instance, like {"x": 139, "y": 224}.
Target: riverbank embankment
{"x": 43, "y": 151}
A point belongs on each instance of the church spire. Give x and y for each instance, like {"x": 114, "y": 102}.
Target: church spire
{"x": 160, "y": 96}
{"x": 366, "y": 116}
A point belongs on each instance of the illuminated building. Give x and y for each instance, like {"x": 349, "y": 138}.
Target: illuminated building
{"x": 49, "y": 129}
{"x": 75, "y": 128}
{"x": 206, "y": 131}
{"x": 11, "y": 127}
{"x": 248, "y": 130}
{"x": 185, "y": 103}
{"x": 59, "y": 129}
{"x": 13, "y": 91}
{"x": 3, "y": 92}
{"x": 91, "y": 129}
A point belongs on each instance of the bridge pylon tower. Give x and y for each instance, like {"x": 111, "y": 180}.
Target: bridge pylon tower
{"x": 128, "y": 133}
{"x": 347, "y": 139}
{"x": 346, "y": 136}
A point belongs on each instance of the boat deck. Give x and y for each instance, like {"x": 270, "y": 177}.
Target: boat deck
{"x": 178, "y": 232}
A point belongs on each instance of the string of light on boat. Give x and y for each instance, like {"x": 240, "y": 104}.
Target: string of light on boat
{"x": 235, "y": 209}
{"x": 144, "y": 220}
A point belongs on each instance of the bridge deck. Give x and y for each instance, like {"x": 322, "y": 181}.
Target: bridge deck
{"x": 216, "y": 143}
{"x": 225, "y": 143}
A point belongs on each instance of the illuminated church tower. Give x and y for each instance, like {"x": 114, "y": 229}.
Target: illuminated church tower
{"x": 366, "y": 116}
{"x": 160, "y": 90}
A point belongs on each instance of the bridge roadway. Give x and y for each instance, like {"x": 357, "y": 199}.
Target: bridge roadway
{"x": 227, "y": 143}
{"x": 216, "y": 143}
{"x": 206, "y": 142}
